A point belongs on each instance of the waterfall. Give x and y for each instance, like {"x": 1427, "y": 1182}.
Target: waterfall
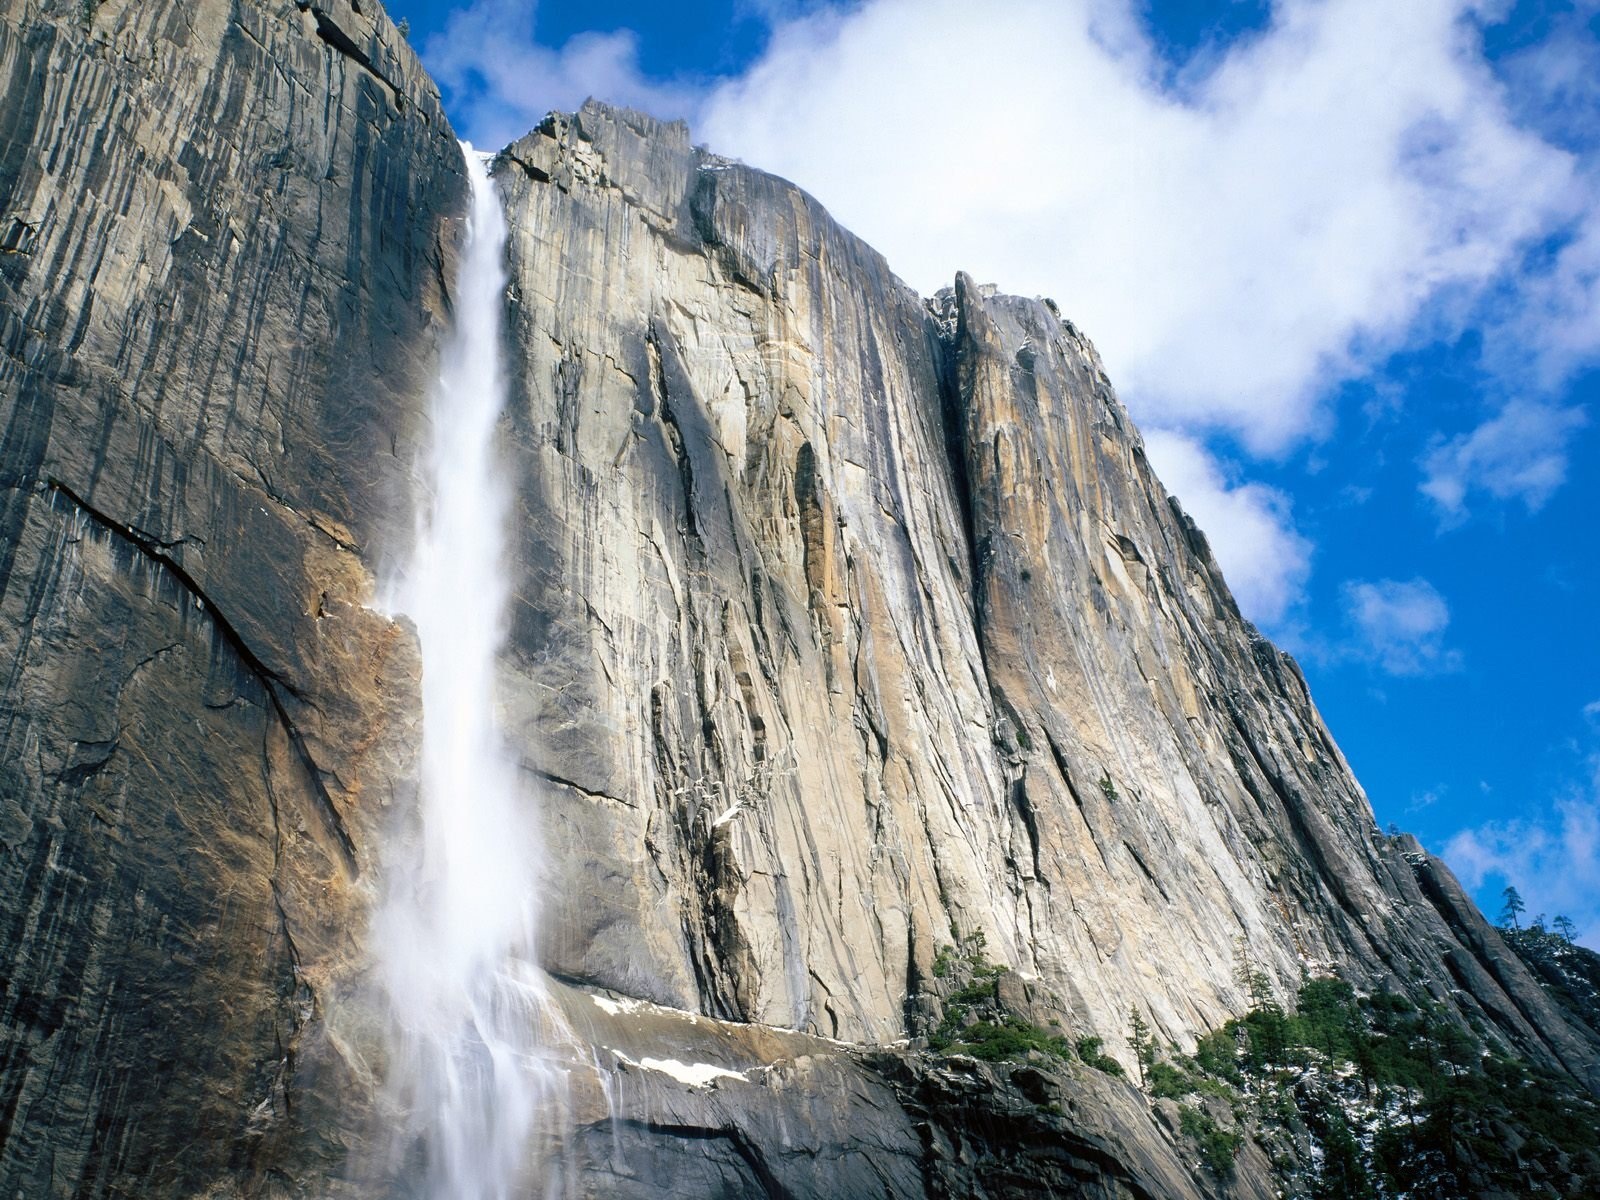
{"x": 455, "y": 928}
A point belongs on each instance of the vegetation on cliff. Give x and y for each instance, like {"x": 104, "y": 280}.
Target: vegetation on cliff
{"x": 1350, "y": 1095}
{"x": 976, "y": 1019}
{"x": 1377, "y": 1096}
{"x": 1569, "y": 973}
{"x": 979, "y": 1020}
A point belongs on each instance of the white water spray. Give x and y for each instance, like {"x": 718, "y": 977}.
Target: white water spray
{"x": 456, "y": 927}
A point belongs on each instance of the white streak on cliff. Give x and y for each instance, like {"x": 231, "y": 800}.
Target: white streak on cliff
{"x": 455, "y": 935}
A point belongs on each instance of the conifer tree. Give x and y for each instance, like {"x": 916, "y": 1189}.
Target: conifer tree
{"x": 1144, "y": 1045}
{"x": 1513, "y": 909}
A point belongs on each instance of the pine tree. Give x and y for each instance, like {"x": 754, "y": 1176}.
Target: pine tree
{"x": 1513, "y": 909}
{"x": 1256, "y": 983}
{"x": 1144, "y": 1045}
{"x": 1565, "y": 928}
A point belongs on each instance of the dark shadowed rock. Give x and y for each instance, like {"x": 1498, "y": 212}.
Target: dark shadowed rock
{"x": 216, "y": 321}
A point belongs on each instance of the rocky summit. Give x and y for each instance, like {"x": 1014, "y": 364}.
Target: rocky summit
{"x": 921, "y": 817}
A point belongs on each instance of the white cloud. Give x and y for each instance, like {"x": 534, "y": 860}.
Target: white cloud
{"x": 1234, "y": 249}
{"x": 1427, "y": 798}
{"x": 1559, "y": 321}
{"x": 1249, "y": 525}
{"x": 503, "y": 82}
{"x": 1521, "y": 454}
{"x": 1400, "y": 625}
{"x": 1556, "y": 80}
{"x": 1553, "y": 861}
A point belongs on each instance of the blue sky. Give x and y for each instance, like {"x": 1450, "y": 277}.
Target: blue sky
{"x": 1342, "y": 258}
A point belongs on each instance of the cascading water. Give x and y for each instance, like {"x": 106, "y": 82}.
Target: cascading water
{"x": 454, "y": 934}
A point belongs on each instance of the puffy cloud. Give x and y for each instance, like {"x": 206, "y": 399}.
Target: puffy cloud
{"x": 1249, "y": 525}
{"x": 502, "y": 81}
{"x": 1400, "y": 625}
{"x": 1553, "y": 861}
{"x": 1520, "y": 454}
{"x": 1556, "y": 332}
{"x": 1235, "y": 244}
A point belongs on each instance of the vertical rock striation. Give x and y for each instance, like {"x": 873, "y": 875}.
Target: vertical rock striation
{"x": 853, "y": 624}
{"x": 847, "y": 626}
{"x": 222, "y": 246}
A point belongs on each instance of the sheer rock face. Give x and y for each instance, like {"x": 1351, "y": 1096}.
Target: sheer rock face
{"x": 851, "y": 624}
{"x": 847, "y": 625}
{"x": 221, "y": 227}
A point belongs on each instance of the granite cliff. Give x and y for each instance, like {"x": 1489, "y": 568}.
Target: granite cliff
{"x": 224, "y": 246}
{"x": 849, "y": 626}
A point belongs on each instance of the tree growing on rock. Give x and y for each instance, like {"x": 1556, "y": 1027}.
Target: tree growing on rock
{"x": 1144, "y": 1045}
{"x": 1514, "y": 908}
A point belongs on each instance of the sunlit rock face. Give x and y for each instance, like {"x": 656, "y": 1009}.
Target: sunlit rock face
{"x": 843, "y": 625}
{"x": 851, "y": 623}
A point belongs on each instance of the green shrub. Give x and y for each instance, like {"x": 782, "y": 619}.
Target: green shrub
{"x": 1089, "y": 1050}
{"x": 1006, "y": 1039}
{"x": 1327, "y": 1018}
{"x": 1217, "y": 1053}
{"x": 1218, "y": 1146}
{"x": 974, "y": 1020}
{"x": 1170, "y": 1082}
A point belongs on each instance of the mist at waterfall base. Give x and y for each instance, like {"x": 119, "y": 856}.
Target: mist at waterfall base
{"x": 469, "y": 1072}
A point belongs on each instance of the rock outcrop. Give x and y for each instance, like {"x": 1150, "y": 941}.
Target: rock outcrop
{"x": 223, "y": 252}
{"x": 849, "y": 626}
{"x": 692, "y": 1107}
